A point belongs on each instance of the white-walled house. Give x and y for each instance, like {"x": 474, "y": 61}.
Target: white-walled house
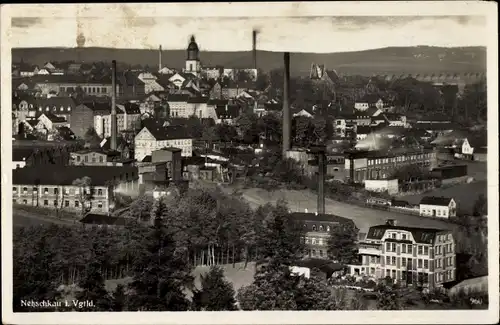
{"x": 439, "y": 207}
{"x": 155, "y": 138}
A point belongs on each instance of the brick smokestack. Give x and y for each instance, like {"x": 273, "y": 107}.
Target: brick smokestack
{"x": 113, "y": 106}
{"x": 254, "y": 48}
{"x": 159, "y": 59}
{"x": 287, "y": 121}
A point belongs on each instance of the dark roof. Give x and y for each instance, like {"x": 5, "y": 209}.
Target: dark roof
{"x": 395, "y": 152}
{"x": 147, "y": 158}
{"x": 65, "y": 175}
{"x": 435, "y": 200}
{"x": 102, "y": 219}
{"x": 363, "y": 129}
{"x": 217, "y": 102}
{"x": 131, "y": 108}
{"x": 54, "y": 118}
{"x": 421, "y": 235}
{"x": 20, "y": 154}
{"x": 227, "y": 111}
{"x": 320, "y": 217}
{"x": 169, "y": 132}
{"x": 177, "y": 98}
{"x": 198, "y": 100}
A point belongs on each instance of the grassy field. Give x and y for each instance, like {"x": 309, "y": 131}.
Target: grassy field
{"x": 363, "y": 217}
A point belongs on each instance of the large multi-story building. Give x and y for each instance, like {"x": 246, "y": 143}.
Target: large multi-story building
{"x": 411, "y": 255}
{"x": 318, "y": 228}
{"x": 362, "y": 165}
{"x": 155, "y": 137}
{"x": 55, "y": 186}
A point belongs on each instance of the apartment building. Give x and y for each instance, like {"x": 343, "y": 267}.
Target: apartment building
{"x": 318, "y": 228}
{"x": 363, "y": 165}
{"x": 53, "y": 186}
{"x": 409, "y": 255}
{"x": 178, "y": 105}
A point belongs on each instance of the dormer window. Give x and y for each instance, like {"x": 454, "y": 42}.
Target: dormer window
{"x": 320, "y": 228}
{"x": 314, "y": 228}
{"x": 328, "y": 228}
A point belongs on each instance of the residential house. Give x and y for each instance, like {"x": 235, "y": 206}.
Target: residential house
{"x": 216, "y": 91}
{"x": 150, "y": 83}
{"x": 43, "y": 71}
{"x": 53, "y": 186}
{"x": 197, "y": 106}
{"x": 98, "y": 157}
{"x": 409, "y": 255}
{"x": 318, "y": 228}
{"x": 48, "y": 122}
{"x": 227, "y": 113}
{"x": 439, "y": 207}
{"x": 153, "y": 101}
{"x": 166, "y": 71}
{"x": 153, "y": 137}
{"x": 180, "y": 78}
{"x": 304, "y": 113}
{"x": 28, "y": 70}
{"x": 370, "y": 101}
{"x": 178, "y": 105}
{"x": 213, "y": 73}
{"x": 98, "y": 115}
{"x": 395, "y": 119}
{"x": 231, "y": 89}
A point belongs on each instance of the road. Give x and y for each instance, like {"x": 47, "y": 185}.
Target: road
{"x": 363, "y": 217}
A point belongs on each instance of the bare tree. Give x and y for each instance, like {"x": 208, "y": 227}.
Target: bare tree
{"x": 60, "y": 201}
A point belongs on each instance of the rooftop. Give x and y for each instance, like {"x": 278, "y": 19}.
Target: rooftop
{"x": 65, "y": 175}
{"x": 421, "y": 235}
{"x": 436, "y": 200}
{"x": 320, "y": 217}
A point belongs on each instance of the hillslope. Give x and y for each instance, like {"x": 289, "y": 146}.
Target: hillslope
{"x": 390, "y": 60}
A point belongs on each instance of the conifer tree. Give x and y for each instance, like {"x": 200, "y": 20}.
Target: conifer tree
{"x": 216, "y": 293}
{"x": 160, "y": 273}
{"x": 119, "y": 298}
{"x": 93, "y": 290}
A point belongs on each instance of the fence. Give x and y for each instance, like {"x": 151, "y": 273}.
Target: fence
{"x": 413, "y": 210}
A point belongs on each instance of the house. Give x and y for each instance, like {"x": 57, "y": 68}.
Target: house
{"x": 226, "y": 113}
{"x": 409, "y": 255}
{"x": 98, "y": 157}
{"x": 317, "y": 231}
{"x": 231, "y": 89}
{"x": 216, "y": 91}
{"x": 28, "y": 70}
{"x": 53, "y": 186}
{"x": 395, "y": 119}
{"x": 48, "y": 122}
{"x": 439, "y": 207}
{"x": 150, "y": 83}
{"x": 213, "y": 73}
{"x": 371, "y": 101}
{"x": 93, "y": 86}
{"x": 166, "y": 71}
{"x": 98, "y": 115}
{"x": 178, "y": 105}
{"x": 153, "y": 137}
{"x": 304, "y": 113}
{"x": 179, "y": 78}
{"x": 43, "y": 71}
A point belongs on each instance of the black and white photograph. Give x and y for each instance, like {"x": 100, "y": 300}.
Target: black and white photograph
{"x": 217, "y": 159}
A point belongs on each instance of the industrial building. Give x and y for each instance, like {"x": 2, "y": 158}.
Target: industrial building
{"x": 362, "y": 165}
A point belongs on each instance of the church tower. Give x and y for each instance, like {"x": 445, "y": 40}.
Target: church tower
{"x": 193, "y": 64}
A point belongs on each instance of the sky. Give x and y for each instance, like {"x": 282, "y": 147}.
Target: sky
{"x": 321, "y": 34}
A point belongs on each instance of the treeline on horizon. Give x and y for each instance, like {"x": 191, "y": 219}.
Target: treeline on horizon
{"x": 390, "y": 60}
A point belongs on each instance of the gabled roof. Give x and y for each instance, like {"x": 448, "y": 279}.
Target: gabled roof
{"x": 54, "y": 118}
{"x": 172, "y": 132}
{"x": 420, "y": 235}
{"x": 198, "y": 100}
{"x": 435, "y": 200}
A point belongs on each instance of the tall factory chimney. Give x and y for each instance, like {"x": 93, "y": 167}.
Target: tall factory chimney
{"x": 287, "y": 121}
{"x": 254, "y": 48}
{"x": 159, "y": 59}
{"x": 113, "y": 106}
{"x": 319, "y": 152}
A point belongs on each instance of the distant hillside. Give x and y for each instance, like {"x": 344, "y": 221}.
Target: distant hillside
{"x": 391, "y": 60}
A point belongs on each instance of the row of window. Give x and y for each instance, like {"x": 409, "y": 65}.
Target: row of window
{"x": 320, "y": 228}
{"x": 66, "y": 203}
{"x": 406, "y": 248}
{"x": 398, "y": 159}
{"x": 444, "y": 276}
{"x": 315, "y": 241}
{"x": 319, "y": 253}
{"x": 437, "y": 212}
{"x": 443, "y": 238}
{"x": 444, "y": 249}
{"x": 97, "y": 90}
{"x": 169, "y": 143}
{"x": 86, "y": 159}
{"x": 55, "y": 191}
{"x": 444, "y": 262}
